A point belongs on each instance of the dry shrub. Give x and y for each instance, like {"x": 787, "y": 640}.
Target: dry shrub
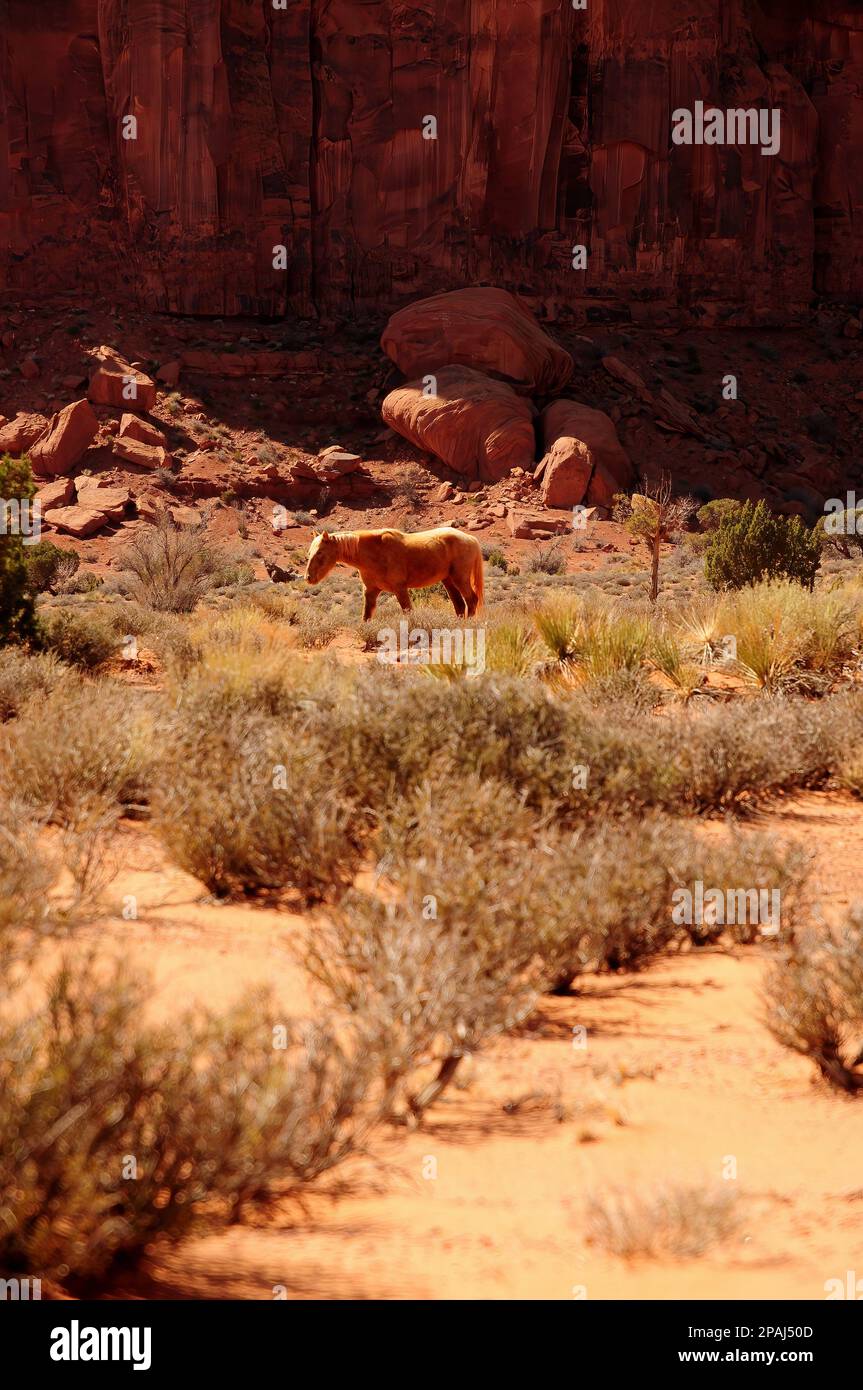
{"x": 90, "y": 748}
{"x": 113, "y": 1134}
{"x": 247, "y": 807}
{"x": 815, "y": 1000}
{"x": 678, "y": 1220}
{"x": 169, "y": 567}
{"x": 25, "y": 676}
{"x": 450, "y": 953}
{"x": 234, "y": 661}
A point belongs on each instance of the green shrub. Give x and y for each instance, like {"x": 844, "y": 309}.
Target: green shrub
{"x": 17, "y": 605}
{"x": 711, "y": 516}
{"x": 754, "y": 544}
{"x": 46, "y": 563}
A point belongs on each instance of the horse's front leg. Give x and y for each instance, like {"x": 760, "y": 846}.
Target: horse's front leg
{"x": 404, "y": 599}
{"x": 370, "y": 597}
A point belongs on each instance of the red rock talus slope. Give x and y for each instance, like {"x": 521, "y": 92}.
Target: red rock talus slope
{"x": 303, "y": 127}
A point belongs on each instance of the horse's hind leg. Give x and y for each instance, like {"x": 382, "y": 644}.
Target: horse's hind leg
{"x": 461, "y": 581}
{"x": 456, "y": 596}
{"x": 404, "y": 599}
{"x": 371, "y": 597}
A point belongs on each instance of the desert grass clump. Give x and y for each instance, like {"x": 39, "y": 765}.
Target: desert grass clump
{"x": 90, "y": 748}
{"x": 666, "y": 655}
{"x": 814, "y": 1000}
{"x": 169, "y": 567}
{"x": 28, "y": 675}
{"x": 680, "y": 1220}
{"x": 82, "y": 636}
{"x": 789, "y": 636}
{"x": 239, "y": 659}
{"x": 511, "y": 648}
{"x": 249, "y": 807}
{"x": 114, "y": 1134}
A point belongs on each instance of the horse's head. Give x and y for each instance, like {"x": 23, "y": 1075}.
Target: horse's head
{"x": 323, "y": 556}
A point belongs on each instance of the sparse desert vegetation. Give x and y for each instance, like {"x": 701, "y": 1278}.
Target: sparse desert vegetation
{"x": 460, "y": 850}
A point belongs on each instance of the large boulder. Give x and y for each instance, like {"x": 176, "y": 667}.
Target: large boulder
{"x": 477, "y": 426}
{"x": 584, "y": 459}
{"x": 115, "y": 382}
{"x": 66, "y": 440}
{"x": 489, "y": 329}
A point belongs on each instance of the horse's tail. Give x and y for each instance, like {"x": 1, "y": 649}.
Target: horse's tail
{"x": 477, "y": 575}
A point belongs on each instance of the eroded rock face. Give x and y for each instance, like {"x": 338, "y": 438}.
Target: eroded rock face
{"x": 480, "y": 327}
{"x": 279, "y": 161}
{"x": 476, "y": 425}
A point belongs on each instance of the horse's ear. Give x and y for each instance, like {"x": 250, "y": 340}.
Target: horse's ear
{"x": 325, "y": 535}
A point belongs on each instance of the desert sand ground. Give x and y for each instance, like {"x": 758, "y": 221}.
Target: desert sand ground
{"x": 678, "y": 1074}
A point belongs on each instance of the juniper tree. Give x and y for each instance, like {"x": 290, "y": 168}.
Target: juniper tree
{"x": 755, "y": 544}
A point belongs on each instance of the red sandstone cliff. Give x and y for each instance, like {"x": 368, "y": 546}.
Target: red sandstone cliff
{"x": 303, "y": 127}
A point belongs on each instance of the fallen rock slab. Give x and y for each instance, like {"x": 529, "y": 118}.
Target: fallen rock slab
{"x": 476, "y": 425}
{"x": 133, "y": 427}
{"x": 76, "y": 521}
{"x": 68, "y": 437}
{"x": 535, "y": 525}
{"x": 59, "y": 494}
{"x": 115, "y": 382}
{"x": 144, "y": 455}
{"x": 111, "y": 501}
{"x": 20, "y": 433}
{"x": 481, "y": 327}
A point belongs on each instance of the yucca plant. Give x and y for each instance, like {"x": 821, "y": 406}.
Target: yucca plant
{"x": 666, "y": 656}
{"x": 512, "y": 648}
{"x": 560, "y": 626}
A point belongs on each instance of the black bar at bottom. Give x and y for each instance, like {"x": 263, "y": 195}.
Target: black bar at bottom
{"x": 86, "y": 1340}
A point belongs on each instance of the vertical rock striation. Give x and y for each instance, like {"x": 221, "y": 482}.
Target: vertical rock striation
{"x": 305, "y": 128}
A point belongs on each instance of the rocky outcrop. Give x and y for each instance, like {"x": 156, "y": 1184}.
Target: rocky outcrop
{"x": 224, "y": 157}
{"x": 476, "y": 425}
{"x": 481, "y": 327}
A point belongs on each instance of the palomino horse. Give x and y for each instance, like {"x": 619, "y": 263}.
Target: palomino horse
{"x": 393, "y": 562}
